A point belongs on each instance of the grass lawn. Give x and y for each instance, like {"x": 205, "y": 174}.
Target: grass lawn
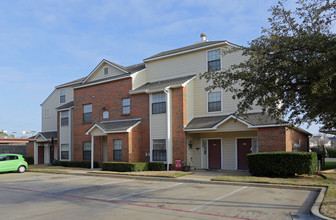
{"x": 329, "y": 165}
{"x": 328, "y": 207}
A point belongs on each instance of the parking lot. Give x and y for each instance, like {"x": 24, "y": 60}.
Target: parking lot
{"x": 56, "y": 196}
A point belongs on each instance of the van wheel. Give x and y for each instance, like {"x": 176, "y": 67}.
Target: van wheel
{"x": 21, "y": 169}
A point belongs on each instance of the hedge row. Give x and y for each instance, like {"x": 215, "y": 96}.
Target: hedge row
{"x": 331, "y": 152}
{"x": 84, "y": 164}
{"x": 133, "y": 167}
{"x": 275, "y": 164}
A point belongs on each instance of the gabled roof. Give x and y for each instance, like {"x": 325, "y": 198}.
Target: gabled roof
{"x": 117, "y": 126}
{"x": 163, "y": 84}
{"x": 47, "y": 135}
{"x": 65, "y": 106}
{"x": 74, "y": 82}
{"x": 189, "y": 48}
{"x": 252, "y": 120}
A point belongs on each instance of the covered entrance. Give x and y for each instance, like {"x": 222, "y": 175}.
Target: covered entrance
{"x": 45, "y": 146}
{"x": 243, "y": 147}
{"x": 214, "y": 148}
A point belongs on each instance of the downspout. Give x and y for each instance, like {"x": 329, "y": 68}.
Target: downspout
{"x": 167, "y": 91}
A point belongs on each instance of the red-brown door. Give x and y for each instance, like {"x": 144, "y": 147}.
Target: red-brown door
{"x": 40, "y": 154}
{"x": 51, "y": 153}
{"x": 244, "y": 148}
{"x": 214, "y": 148}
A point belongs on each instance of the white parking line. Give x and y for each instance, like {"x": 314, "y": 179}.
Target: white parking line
{"x": 219, "y": 198}
{"x": 102, "y": 184}
{"x": 146, "y": 191}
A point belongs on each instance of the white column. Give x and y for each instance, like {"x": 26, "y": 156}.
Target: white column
{"x": 169, "y": 135}
{"x": 92, "y": 150}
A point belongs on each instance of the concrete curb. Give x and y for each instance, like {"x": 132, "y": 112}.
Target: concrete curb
{"x": 315, "y": 210}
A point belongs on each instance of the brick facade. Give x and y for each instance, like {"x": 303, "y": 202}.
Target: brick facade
{"x": 108, "y": 97}
{"x": 294, "y": 136}
{"x": 178, "y": 122}
{"x": 30, "y": 149}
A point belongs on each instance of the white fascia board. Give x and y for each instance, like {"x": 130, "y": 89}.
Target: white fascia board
{"x": 100, "y": 82}
{"x": 232, "y": 117}
{"x": 64, "y": 109}
{"x": 267, "y": 126}
{"x": 129, "y": 129}
{"x": 135, "y": 73}
{"x": 67, "y": 84}
{"x": 100, "y": 64}
{"x": 39, "y": 134}
{"x": 187, "y": 51}
{"x": 95, "y": 126}
{"x": 113, "y": 132}
{"x": 185, "y": 83}
{"x": 201, "y": 129}
{"x": 131, "y": 119}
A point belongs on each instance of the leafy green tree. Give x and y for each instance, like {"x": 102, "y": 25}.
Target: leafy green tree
{"x": 291, "y": 68}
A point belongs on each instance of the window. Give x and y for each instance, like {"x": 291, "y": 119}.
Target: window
{"x": 126, "y": 106}
{"x": 2, "y": 158}
{"x": 64, "y": 151}
{"x": 46, "y": 112}
{"x": 87, "y": 151}
{"x": 214, "y": 101}
{"x": 65, "y": 118}
{"x": 105, "y": 70}
{"x": 106, "y": 115}
{"x": 159, "y": 150}
{"x": 158, "y": 103}
{"x": 12, "y": 157}
{"x": 62, "y": 96}
{"x": 87, "y": 116}
{"x": 117, "y": 150}
{"x": 214, "y": 61}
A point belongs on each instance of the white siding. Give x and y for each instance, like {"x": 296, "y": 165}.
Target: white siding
{"x": 99, "y": 73}
{"x": 159, "y": 126}
{"x": 233, "y": 125}
{"x": 139, "y": 79}
{"x": 52, "y": 102}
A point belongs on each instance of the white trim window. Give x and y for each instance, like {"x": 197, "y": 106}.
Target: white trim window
{"x": 106, "y": 115}
{"x": 117, "y": 150}
{"x": 106, "y": 71}
{"x": 64, "y": 151}
{"x": 215, "y": 101}
{"x": 159, "y": 150}
{"x": 46, "y": 112}
{"x": 126, "y": 106}
{"x": 86, "y": 150}
{"x": 87, "y": 113}
{"x": 214, "y": 60}
{"x": 62, "y": 96}
{"x": 159, "y": 103}
{"x": 65, "y": 118}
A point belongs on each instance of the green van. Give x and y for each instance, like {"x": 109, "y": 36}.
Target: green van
{"x": 13, "y": 162}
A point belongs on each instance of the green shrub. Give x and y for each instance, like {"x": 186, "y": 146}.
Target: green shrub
{"x": 30, "y": 160}
{"x": 282, "y": 163}
{"x": 84, "y": 164}
{"x": 331, "y": 152}
{"x": 319, "y": 152}
{"x": 156, "y": 166}
{"x": 124, "y": 166}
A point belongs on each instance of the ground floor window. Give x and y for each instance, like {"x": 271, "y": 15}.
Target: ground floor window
{"x": 159, "y": 150}
{"x": 64, "y": 151}
{"x": 117, "y": 150}
{"x": 87, "y": 151}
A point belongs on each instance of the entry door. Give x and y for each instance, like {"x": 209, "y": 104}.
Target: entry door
{"x": 40, "y": 154}
{"x": 244, "y": 148}
{"x": 52, "y": 153}
{"x": 214, "y": 148}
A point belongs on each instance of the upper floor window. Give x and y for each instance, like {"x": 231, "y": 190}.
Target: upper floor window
{"x": 214, "y": 61}
{"x": 126, "y": 106}
{"x": 117, "y": 150}
{"x": 214, "y": 101}
{"x": 105, "y": 70}
{"x": 65, "y": 118}
{"x": 87, "y": 115}
{"x": 62, "y": 96}
{"x": 159, "y": 150}
{"x": 46, "y": 112}
{"x": 158, "y": 103}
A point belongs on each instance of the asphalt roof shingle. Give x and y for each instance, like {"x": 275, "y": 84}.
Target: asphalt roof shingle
{"x": 48, "y": 134}
{"x": 67, "y": 105}
{"x": 120, "y": 125}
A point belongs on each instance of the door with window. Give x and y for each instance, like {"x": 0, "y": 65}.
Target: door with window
{"x": 244, "y": 148}
{"x": 214, "y": 149}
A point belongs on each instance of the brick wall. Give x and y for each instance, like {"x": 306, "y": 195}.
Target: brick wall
{"x": 30, "y": 149}
{"x": 124, "y": 152}
{"x": 271, "y": 139}
{"x": 294, "y": 136}
{"x": 178, "y": 122}
{"x": 134, "y": 144}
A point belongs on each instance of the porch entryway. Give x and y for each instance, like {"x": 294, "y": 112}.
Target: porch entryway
{"x": 215, "y": 153}
{"x": 244, "y": 147}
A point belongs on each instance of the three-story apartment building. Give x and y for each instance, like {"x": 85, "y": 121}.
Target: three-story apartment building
{"x": 159, "y": 110}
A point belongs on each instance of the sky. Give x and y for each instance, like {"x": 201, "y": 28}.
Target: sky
{"x": 45, "y": 43}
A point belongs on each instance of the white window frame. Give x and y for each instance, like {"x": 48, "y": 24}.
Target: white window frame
{"x": 115, "y": 141}
{"x": 65, "y": 151}
{"x": 220, "y": 58}
{"x": 125, "y": 106}
{"x": 106, "y": 70}
{"x": 84, "y": 112}
{"x": 221, "y": 93}
{"x": 89, "y": 144}
{"x": 165, "y": 101}
{"x": 166, "y": 147}
{"x": 61, "y": 95}
{"x": 106, "y": 115}
{"x": 46, "y": 110}
{"x": 65, "y": 114}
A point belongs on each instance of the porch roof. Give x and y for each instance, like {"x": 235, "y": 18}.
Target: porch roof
{"x": 65, "y": 106}
{"x": 162, "y": 84}
{"x": 252, "y": 120}
{"x": 47, "y": 135}
{"x": 117, "y": 126}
